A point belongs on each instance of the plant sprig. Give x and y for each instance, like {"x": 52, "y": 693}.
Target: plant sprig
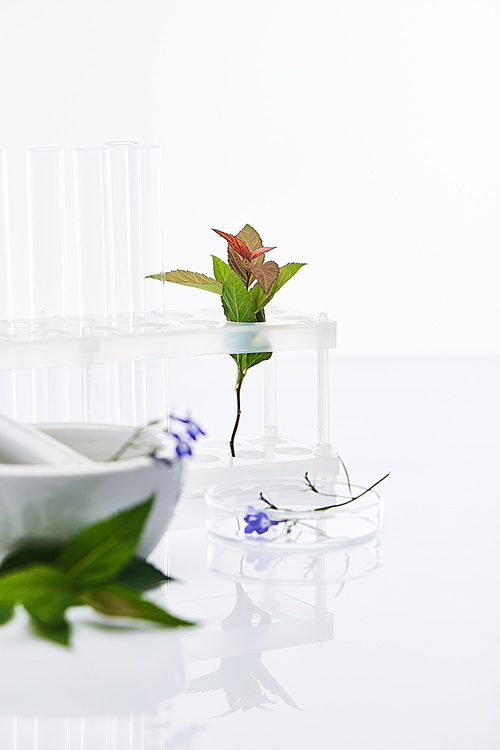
{"x": 246, "y": 284}
{"x": 97, "y": 567}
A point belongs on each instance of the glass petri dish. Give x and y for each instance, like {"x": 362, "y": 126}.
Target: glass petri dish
{"x": 242, "y": 511}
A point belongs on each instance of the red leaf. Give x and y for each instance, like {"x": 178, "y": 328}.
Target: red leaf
{"x": 235, "y": 243}
{"x": 261, "y": 250}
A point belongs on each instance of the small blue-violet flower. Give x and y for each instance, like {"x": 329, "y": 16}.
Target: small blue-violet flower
{"x": 193, "y": 430}
{"x": 258, "y": 520}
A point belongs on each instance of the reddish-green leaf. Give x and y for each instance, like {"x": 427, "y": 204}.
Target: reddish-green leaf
{"x": 235, "y": 243}
{"x": 286, "y": 272}
{"x": 266, "y": 275}
{"x": 238, "y": 264}
{"x": 190, "y": 278}
{"x": 250, "y": 237}
{"x": 261, "y": 251}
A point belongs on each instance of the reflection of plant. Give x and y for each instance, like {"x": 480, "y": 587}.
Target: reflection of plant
{"x": 97, "y": 568}
{"x": 246, "y": 284}
{"x": 244, "y": 679}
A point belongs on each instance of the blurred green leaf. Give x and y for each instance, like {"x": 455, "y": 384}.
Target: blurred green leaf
{"x": 31, "y": 551}
{"x": 101, "y": 550}
{"x": 118, "y": 600}
{"x": 140, "y": 575}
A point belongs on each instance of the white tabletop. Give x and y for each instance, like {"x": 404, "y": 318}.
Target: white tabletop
{"x": 393, "y": 644}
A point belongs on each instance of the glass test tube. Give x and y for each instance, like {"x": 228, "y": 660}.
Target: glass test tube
{"x": 147, "y": 226}
{"x": 146, "y": 214}
{"x": 5, "y": 250}
{"x": 46, "y": 233}
{"x": 117, "y": 192}
{"x": 93, "y": 264}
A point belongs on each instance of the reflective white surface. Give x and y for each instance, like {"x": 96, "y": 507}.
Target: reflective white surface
{"x": 387, "y": 647}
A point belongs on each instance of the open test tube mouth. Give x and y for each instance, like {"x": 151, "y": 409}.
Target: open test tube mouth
{"x": 110, "y": 144}
{"x": 89, "y": 148}
{"x": 144, "y": 146}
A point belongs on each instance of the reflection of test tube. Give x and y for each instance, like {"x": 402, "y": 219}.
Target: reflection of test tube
{"x": 117, "y": 195}
{"x": 46, "y": 233}
{"x": 93, "y": 265}
{"x": 5, "y": 249}
{"x": 146, "y": 191}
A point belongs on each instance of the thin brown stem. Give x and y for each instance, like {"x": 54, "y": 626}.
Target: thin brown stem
{"x": 238, "y": 414}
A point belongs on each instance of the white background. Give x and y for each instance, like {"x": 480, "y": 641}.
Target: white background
{"x": 359, "y": 136}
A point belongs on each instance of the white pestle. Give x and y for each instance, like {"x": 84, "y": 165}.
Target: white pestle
{"x": 23, "y": 444}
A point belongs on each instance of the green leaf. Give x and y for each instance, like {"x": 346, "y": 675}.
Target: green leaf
{"x": 238, "y": 265}
{"x": 286, "y": 272}
{"x": 6, "y": 612}
{"x": 43, "y": 590}
{"x": 260, "y": 316}
{"x": 266, "y": 274}
{"x": 250, "y": 360}
{"x": 190, "y": 278}
{"x": 236, "y": 301}
{"x": 32, "y": 551}
{"x": 57, "y": 631}
{"x": 101, "y": 550}
{"x": 221, "y": 269}
{"x": 141, "y": 575}
{"x": 115, "y": 599}
{"x": 245, "y": 361}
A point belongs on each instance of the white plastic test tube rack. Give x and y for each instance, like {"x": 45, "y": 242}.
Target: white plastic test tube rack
{"x": 85, "y": 348}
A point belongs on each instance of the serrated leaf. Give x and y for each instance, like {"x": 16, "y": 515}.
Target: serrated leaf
{"x": 6, "y": 613}
{"x": 57, "y": 631}
{"x": 238, "y": 265}
{"x": 286, "y": 272}
{"x": 266, "y": 274}
{"x": 31, "y": 551}
{"x": 235, "y": 243}
{"x": 221, "y": 269}
{"x": 140, "y": 575}
{"x": 190, "y": 278}
{"x": 101, "y": 550}
{"x": 236, "y": 301}
{"x": 250, "y": 237}
{"x": 117, "y": 600}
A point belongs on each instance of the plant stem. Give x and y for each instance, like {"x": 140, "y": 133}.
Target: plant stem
{"x": 241, "y": 375}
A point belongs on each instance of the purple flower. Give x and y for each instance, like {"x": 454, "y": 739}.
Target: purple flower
{"x": 193, "y": 431}
{"x": 257, "y": 520}
{"x": 182, "y": 448}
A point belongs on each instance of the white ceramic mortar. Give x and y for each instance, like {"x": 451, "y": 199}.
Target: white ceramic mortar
{"x": 53, "y": 502}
